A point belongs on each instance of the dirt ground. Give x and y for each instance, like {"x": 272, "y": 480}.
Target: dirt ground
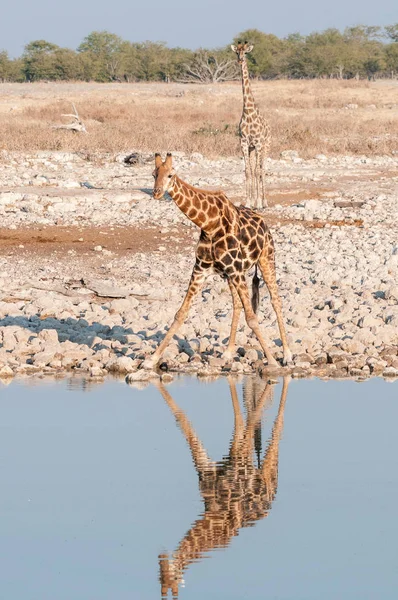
{"x": 122, "y": 241}
{"x": 83, "y": 240}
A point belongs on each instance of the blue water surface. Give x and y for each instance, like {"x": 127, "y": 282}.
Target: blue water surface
{"x": 97, "y": 482}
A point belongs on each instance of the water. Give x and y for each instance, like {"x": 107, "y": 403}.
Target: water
{"x": 100, "y": 498}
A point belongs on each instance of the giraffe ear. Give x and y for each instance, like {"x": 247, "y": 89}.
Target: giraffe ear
{"x": 249, "y": 48}
{"x": 234, "y": 48}
{"x": 158, "y": 160}
{"x": 169, "y": 160}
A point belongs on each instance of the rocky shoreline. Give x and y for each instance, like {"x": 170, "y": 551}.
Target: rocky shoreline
{"x": 102, "y": 310}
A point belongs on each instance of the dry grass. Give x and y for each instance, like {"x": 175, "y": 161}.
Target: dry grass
{"x": 308, "y": 116}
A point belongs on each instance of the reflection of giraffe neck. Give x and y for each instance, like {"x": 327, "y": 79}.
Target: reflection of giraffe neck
{"x": 249, "y": 104}
{"x": 235, "y": 492}
{"x": 202, "y": 207}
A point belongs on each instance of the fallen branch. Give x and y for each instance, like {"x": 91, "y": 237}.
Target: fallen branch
{"x": 77, "y": 125}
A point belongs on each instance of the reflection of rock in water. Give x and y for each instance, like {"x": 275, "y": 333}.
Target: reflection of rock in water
{"x": 236, "y": 493}
{"x": 82, "y": 384}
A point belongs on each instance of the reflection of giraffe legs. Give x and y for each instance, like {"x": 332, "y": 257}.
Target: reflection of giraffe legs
{"x": 240, "y": 285}
{"x": 225, "y": 510}
{"x": 253, "y": 391}
{"x": 200, "y": 457}
{"x": 237, "y": 307}
{"x": 267, "y": 267}
{"x": 269, "y": 467}
{"x": 238, "y": 420}
{"x": 197, "y": 279}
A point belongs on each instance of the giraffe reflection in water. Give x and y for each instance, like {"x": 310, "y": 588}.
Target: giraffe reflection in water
{"x": 236, "y": 491}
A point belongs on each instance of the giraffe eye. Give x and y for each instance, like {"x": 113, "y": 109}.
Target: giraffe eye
{"x": 169, "y": 176}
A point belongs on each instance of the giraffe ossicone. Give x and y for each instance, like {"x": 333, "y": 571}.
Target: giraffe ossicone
{"x": 255, "y": 135}
{"x": 232, "y": 241}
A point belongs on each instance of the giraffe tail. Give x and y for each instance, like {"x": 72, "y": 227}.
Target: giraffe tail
{"x": 255, "y": 291}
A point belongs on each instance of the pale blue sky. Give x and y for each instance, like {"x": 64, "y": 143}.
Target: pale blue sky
{"x": 185, "y": 23}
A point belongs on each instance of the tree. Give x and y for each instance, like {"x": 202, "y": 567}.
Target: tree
{"x": 264, "y": 60}
{"x": 104, "y": 51}
{"x": 39, "y": 60}
{"x": 16, "y": 70}
{"x": 391, "y": 58}
{"x": 67, "y": 65}
{"x": 209, "y": 67}
{"x": 4, "y": 66}
{"x": 392, "y": 32}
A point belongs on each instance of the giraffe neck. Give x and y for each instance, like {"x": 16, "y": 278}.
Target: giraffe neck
{"x": 201, "y": 207}
{"x": 213, "y": 530}
{"x": 249, "y": 104}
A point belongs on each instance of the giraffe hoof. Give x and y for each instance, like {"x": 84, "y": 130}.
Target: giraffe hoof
{"x": 227, "y": 355}
{"x": 149, "y": 364}
{"x": 272, "y": 362}
{"x": 287, "y": 359}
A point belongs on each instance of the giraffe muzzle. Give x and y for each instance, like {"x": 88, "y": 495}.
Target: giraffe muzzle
{"x": 158, "y": 193}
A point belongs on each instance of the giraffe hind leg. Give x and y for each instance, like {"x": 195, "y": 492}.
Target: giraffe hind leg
{"x": 240, "y": 285}
{"x": 236, "y": 310}
{"x": 267, "y": 267}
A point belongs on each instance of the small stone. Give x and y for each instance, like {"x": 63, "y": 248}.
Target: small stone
{"x": 141, "y": 375}
{"x": 123, "y": 364}
{"x": 96, "y": 372}
{"x": 166, "y": 377}
{"x": 6, "y": 372}
{"x": 390, "y": 372}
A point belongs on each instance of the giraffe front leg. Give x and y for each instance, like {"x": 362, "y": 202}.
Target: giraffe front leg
{"x": 238, "y": 281}
{"x": 267, "y": 267}
{"x": 262, "y": 199}
{"x": 197, "y": 279}
{"x": 252, "y": 159}
{"x": 236, "y": 310}
{"x": 258, "y": 200}
{"x": 246, "y": 156}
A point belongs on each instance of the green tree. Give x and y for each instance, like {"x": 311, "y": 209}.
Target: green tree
{"x": 391, "y": 32}
{"x": 104, "y": 51}
{"x": 391, "y": 58}
{"x": 38, "y": 58}
{"x": 67, "y": 65}
{"x": 4, "y": 66}
{"x": 264, "y": 60}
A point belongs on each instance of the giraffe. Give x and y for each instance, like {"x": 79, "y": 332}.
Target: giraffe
{"x": 255, "y": 136}
{"x": 236, "y": 493}
{"x": 232, "y": 241}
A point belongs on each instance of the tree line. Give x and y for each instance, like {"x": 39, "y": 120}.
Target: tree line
{"x": 357, "y": 52}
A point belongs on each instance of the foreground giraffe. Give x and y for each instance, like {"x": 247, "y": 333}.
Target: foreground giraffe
{"x": 255, "y": 137}
{"x": 236, "y": 493}
{"x": 232, "y": 241}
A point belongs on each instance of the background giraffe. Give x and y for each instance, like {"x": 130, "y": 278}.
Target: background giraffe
{"x": 255, "y": 137}
{"x": 236, "y": 493}
{"x": 232, "y": 241}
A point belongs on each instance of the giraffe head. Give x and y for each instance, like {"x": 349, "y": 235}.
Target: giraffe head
{"x": 241, "y": 50}
{"x": 163, "y": 174}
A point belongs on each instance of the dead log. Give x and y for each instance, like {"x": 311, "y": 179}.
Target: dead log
{"x": 77, "y": 124}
